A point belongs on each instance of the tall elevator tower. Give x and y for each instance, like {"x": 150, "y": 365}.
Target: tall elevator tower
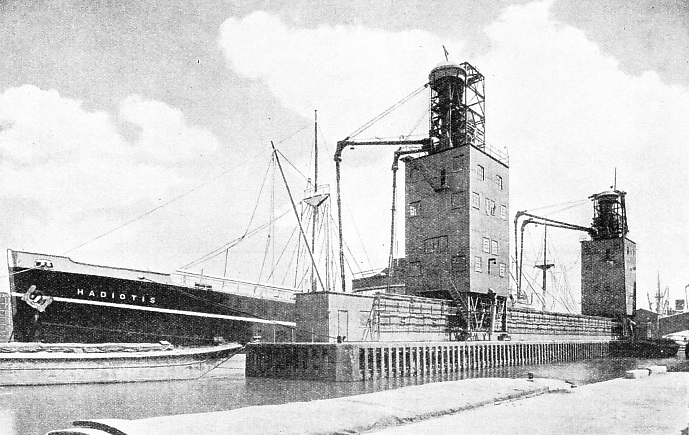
{"x": 608, "y": 260}
{"x": 456, "y": 200}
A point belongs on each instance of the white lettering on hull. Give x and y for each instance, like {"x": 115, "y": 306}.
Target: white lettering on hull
{"x": 117, "y": 296}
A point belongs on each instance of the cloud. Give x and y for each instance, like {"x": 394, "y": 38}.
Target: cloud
{"x": 79, "y": 171}
{"x": 350, "y": 73}
{"x": 164, "y": 133}
{"x": 571, "y": 117}
{"x": 567, "y": 112}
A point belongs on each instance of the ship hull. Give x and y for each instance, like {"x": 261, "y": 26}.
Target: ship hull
{"x": 644, "y": 348}
{"x": 96, "y": 304}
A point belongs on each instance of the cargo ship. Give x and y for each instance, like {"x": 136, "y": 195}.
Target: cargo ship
{"x": 57, "y": 300}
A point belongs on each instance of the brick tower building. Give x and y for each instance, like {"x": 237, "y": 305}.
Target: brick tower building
{"x": 608, "y": 260}
{"x": 457, "y": 200}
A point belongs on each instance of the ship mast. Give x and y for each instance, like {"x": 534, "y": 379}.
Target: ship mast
{"x": 315, "y": 191}
{"x": 545, "y": 266}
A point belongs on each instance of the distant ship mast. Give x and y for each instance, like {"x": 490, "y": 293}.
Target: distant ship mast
{"x": 315, "y": 199}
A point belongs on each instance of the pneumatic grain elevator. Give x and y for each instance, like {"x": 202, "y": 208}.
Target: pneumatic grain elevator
{"x": 457, "y": 202}
{"x": 608, "y": 260}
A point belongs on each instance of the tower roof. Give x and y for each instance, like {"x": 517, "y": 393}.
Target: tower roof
{"x": 447, "y": 69}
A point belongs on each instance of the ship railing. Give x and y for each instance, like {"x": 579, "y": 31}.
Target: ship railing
{"x": 232, "y": 285}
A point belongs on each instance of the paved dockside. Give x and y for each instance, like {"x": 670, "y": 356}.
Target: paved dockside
{"x": 657, "y": 404}
{"x": 342, "y": 415}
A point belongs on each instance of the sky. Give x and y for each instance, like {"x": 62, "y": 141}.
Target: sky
{"x": 137, "y": 133}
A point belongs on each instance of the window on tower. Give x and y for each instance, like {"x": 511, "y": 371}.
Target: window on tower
{"x": 481, "y": 172}
{"x": 498, "y": 181}
{"x": 415, "y": 268}
{"x": 413, "y": 175}
{"x": 435, "y": 244}
{"x": 458, "y": 265}
{"x": 494, "y": 247}
{"x": 415, "y": 209}
{"x": 503, "y": 212}
{"x": 486, "y": 245}
{"x": 475, "y": 200}
{"x": 458, "y": 162}
{"x": 490, "y": 207}
{"x": 478, "y": 267}
{"x": 503, "y": 270}
{"x": 458, "y": 199}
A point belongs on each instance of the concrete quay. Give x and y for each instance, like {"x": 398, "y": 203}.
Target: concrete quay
{"x": 655, "y": 404}
{"x": 353, "y": 414}
{"x": 651, "y": 405}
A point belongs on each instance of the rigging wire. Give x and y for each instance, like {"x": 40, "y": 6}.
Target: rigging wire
{"x": 233, "y": 243}
{"x": 424, "y": 113}
{"x": 349, "y": 211}
{"x": 282, "y": 253}
{"x": 292, "y": 165}
{"x": 165, "y": 204}
{"x": 386, "y": 112}
{"x": 253, "y": 213}
{"x": 178, "y": 197}
{"x": 571, "y": 204}
{"x": 295, "y": 249}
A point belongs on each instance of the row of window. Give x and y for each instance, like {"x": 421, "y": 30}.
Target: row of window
{"x": 491, "y": 208}
{"x": 458, "y": 266}
{"x": 435, "y": 244}
{"x": 478, "y": 266}
{"x": 458, "y": 200}
{"x": 439, "y": 244}
{"x": 490, "y": 246}
{"x": 458, "y": 164}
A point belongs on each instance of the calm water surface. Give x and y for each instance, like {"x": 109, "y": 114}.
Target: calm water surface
{"x": 36, "y": 410}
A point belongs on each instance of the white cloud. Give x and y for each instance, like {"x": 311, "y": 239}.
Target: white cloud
{"x": 570, "y": 116}
{"x": 564, "y": 108}
{"x": 350, "y": 73}
{"x": 164, "y": 133}
{"x": 82, "y": 173}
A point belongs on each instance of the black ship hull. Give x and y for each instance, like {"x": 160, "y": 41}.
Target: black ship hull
{"x": 95, "y": 304}
{"x": 660, "y": 348}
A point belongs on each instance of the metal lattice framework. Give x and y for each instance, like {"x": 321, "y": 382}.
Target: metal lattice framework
{"x": 457, "y": 107}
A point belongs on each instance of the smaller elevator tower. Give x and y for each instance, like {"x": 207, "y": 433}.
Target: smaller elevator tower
{"x": 608, "y": 260}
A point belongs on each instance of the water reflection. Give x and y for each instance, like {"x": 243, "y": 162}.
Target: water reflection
{"x": 36, "y": 410}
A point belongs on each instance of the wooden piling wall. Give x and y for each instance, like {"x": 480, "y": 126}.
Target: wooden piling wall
{"x": 361, "y": 361}
{"x": 5, "y": 317}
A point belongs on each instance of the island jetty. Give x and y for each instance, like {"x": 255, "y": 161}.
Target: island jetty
{"x": 446, "y": 306}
